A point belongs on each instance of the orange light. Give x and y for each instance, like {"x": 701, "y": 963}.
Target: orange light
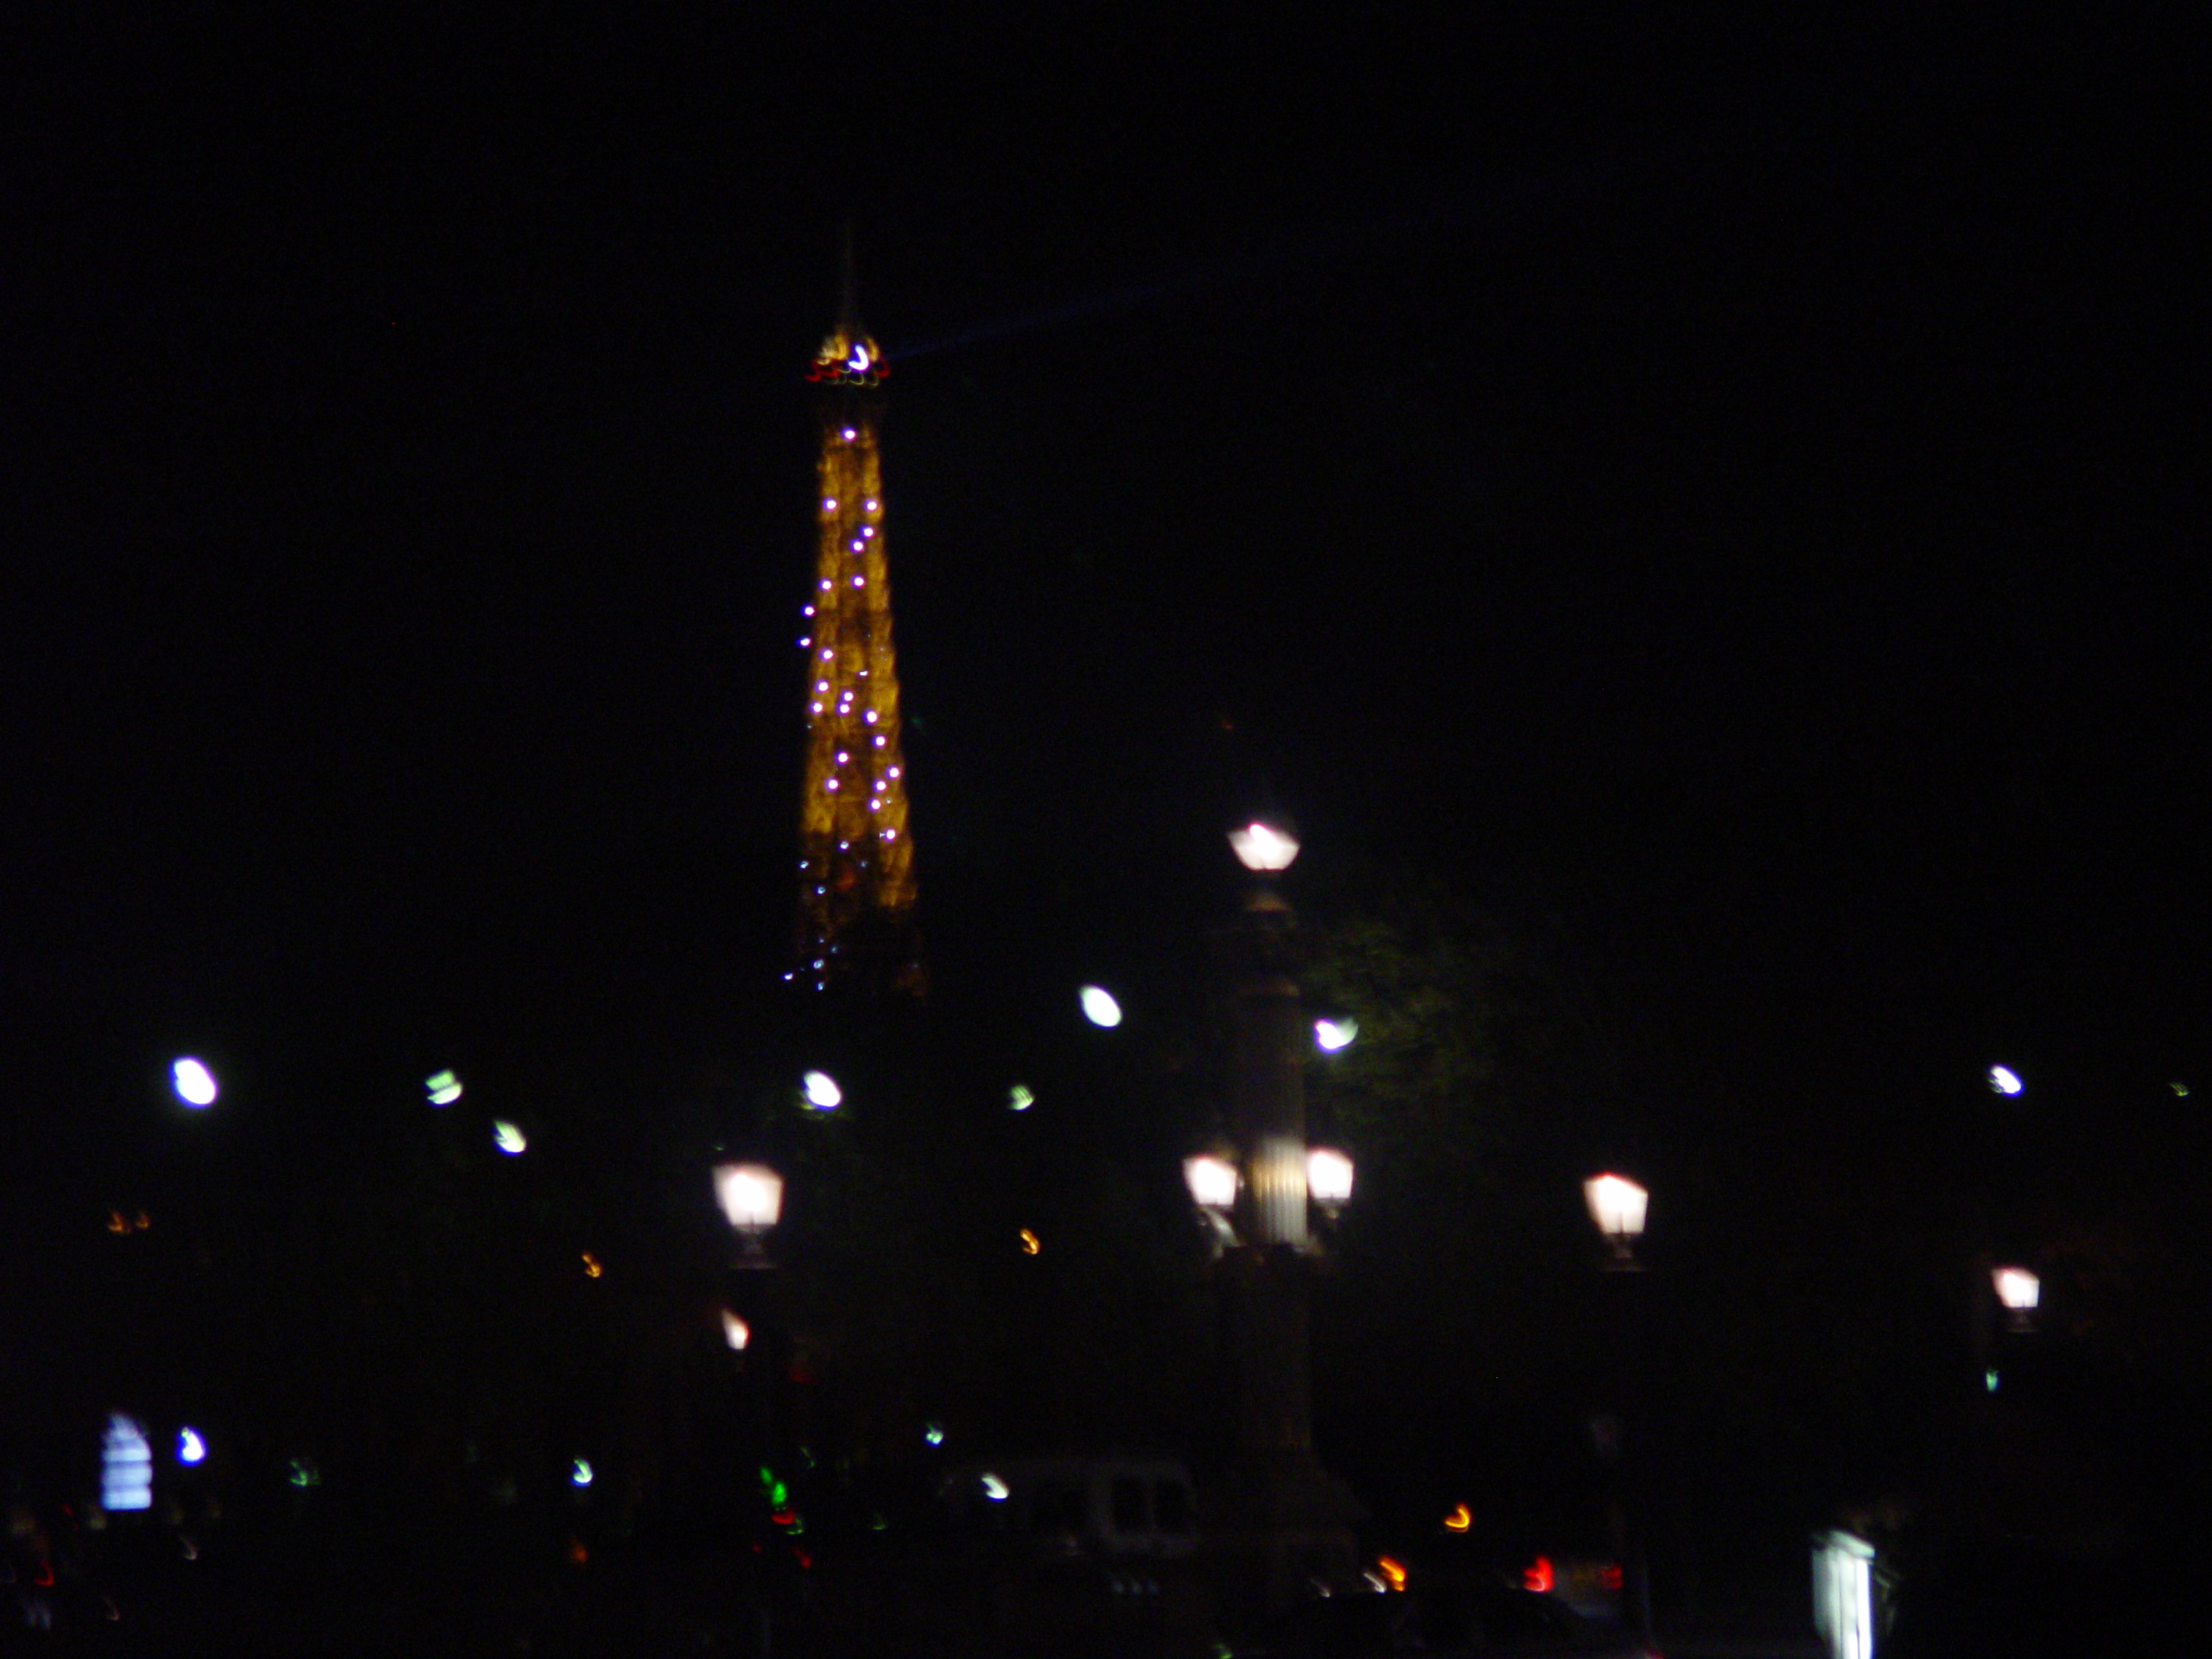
{"x": 116, "y": 1224}
{"x": 1538, "y": 1577}
{"x": 1029, "y": 1244}
{"x": 578, "y": 1555}
{"x": 1393, "y": 1571}
{"x": 144, "y": 1222}
{"x": 1459, "y": 1520}
{"x": 592, "y": 1269}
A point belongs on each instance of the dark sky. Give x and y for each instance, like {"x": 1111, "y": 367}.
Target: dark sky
{"x": 1732, "y": 489}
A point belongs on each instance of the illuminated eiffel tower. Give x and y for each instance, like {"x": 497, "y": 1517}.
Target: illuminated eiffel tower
{"x": 856, "y": 858}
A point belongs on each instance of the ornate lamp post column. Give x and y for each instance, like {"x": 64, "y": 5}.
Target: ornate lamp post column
{"x": 1284, "y": 1523}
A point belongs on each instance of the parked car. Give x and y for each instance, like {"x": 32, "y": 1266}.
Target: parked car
{"x": 1443, "y": 1617}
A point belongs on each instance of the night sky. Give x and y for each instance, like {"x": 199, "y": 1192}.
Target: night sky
{"x": 1726, "y": 495}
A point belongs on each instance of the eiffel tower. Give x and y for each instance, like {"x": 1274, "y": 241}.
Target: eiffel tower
{"x": 856, "y": 857}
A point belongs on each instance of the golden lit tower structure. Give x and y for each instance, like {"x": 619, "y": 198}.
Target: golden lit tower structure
{"x": 856, "y": 858}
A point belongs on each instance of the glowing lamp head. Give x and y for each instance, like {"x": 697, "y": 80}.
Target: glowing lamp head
{"x": 2018, "y": 1289}
{"x": 190, "y": 1448}
{"x": 1328, "y": 1178}
{"x": 751, "y": 1196}
{"x": 1263, "y": 848}
{"x": 509, "y": 1139}
{"x": 1100, "y": 1007}
{"x": 1334, "y": 1034}
{"x": 1617, "y": 1204}
{"x": 442, "y": 1087}
{"x": 822, "y": 1091}
{"x": 1212, "y": 1181}
{"x": 193, "y": 1082}
{"x": 2005, "y": 1081}
{"x": 735, "y": 1332}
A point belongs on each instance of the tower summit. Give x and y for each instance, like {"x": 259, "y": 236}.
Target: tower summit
{"x": 856, "y": 860}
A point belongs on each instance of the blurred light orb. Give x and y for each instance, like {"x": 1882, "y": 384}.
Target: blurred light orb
{"x": 822, "y": 1091}
{"x": 934, "y": 1434}
{"x": 194, "y": 1083}
{"x": 1100, "y": 1007}
{"x": 1020, "y": 1098}
{"x": 751, "y": 1196}
{"x": 190, "y": 1448}
{"x": 1263, "y": 848}
{"x": 995, "y": 1489}
{"x": 1030, "y": 1244}
{"x": 1333, "y": 1034}
{"x": 442, "y": 1087}
{"x": 509, "y": 1139}
{"x": 580, "y": 1472}
{"x": 2004, "y": 1080}
{"x": 735, "y": 1332}
{"x": 2018, "y": 1289}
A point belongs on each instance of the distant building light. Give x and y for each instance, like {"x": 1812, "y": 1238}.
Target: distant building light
{"x": 444, "y": 1088}
{"x": 508, "y": 1138}
{"x": 995, "y": 1488}
{"x": 1333, "y": 1034}
{"x": 1100, "y": 1007}
{"x": 580, "y": 1472}
{"x": 821, "y": 1089}
{"x": 2004, "y": 1080}
{"x": 735, "y": 1332}
{"x": 1020, "y": 1098}
{"x": 190, "y": 1448}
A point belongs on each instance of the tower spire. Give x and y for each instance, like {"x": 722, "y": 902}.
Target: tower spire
{"x": 856, "y": 861}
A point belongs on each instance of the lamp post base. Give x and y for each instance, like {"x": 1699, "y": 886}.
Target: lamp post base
{"x": 1280, "y": 1529}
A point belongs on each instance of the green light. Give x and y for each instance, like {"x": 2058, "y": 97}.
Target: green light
{"x": 934, "y": 1434}
{"x": 1989, "y": 1382}
{"x": 1020, "y": 1098}
{"x": 444, "y": 1087}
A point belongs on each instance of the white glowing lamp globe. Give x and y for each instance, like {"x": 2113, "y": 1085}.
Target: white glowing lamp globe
{"x": 194, "y": 1083}
{"x": 1100, "y": 1007}
{"x": 1212, "y": 1181}
{"x": 735, "y": 1332}
{"x": 822, "y": 1091}
{"x": 1617, "y": 1204}
{"x": 1335, "y": 1035}
{"x": 1263, "y": 848}
{"x": 751, "y": 1196}
{"x": 2003, "y": 1080}
{"x": 2018, "y": 1289}
{"x": 1328, "y": 1177}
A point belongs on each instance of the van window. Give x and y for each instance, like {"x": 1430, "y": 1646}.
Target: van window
{"x": 1171, "y": 1505}
{"x": 1130, "y": 1509}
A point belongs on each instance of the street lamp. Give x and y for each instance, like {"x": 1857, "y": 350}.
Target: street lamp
{"x": 1328, "y": 1179}
{"x": 2020, "y": 1290}
{"x": 1617, "y": 1204}
{"x": 752, "y": 1199}
{"x": 1263, "y": 848}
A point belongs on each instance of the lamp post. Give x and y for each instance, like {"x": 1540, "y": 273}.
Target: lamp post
{"x": 1618, "y": 1206}
{"x": 1282, "y": 1521}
